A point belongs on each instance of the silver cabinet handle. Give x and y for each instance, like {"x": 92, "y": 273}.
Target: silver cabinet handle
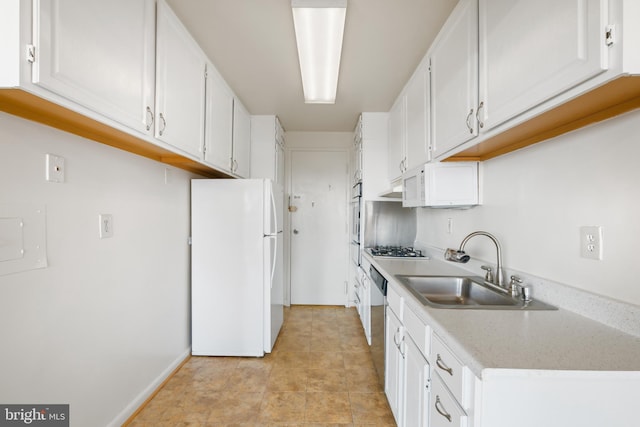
{"x": 469, "y": 116}
{"x": 150, "y": 118}
{"x": 480, "y": 107}
{"x": 164, "y": 124}
{"x": 442, "y": 366}
{"x": 442, "y": 411}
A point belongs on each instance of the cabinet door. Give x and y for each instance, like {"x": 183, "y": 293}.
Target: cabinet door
{"x": 280, "y": 163}
{"x": 454, "y": 79}
{"x": 451, "y": 184}
{"x": 219, "y": 122}
{"x": 394, "y": 364}
{"x": 416, "y": 404}
{"x": 279, "y": 153}
{"x": 532, "y": 51}
{"x": 417, "y": 152}
{"x": 99, "y": 54}
{"x": 366, "y": 296}
{"x": 180, "y": 85}
{"x": 241, "y": 139}
{"x": 396, "y": 143}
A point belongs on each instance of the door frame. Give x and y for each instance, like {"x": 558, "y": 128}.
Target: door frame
{"x": 287, "y": 217}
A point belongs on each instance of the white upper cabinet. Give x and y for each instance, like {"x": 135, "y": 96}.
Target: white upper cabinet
{"x": 180, "y": 85}
{"x": 454, "y": 79}
{"x": 356, "y": 153}
{"x": 99, "y": 54}
{"x": 531, "y": 51}
{"x": 417, "y": 120}
{"x": 219, "y": 122}
{"x": 373, "y": 129}
{"x": 279, "y": 153}
{"x": 408, "y": 137}
{"x": 396, "y": 152}
{"x": 241, "y": 140}
{"x": 267, "y": 148}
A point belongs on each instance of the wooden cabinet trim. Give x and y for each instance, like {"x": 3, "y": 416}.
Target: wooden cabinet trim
{"x": 31, "y": 107}
{"x": 609, "y": 100}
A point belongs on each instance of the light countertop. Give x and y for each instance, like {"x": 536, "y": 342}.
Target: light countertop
{"x": 516, "y": 339}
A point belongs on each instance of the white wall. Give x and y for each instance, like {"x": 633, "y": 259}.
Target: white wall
{"x": 108, "y": 318}
{"x": 319, "y": 140}
{"x": 535, "y": 200}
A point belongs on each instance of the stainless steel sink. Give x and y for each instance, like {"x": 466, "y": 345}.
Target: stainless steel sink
{"x": 464, "y": 292}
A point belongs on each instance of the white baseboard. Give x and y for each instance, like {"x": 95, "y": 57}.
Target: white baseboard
{"x": 132, "y": 407}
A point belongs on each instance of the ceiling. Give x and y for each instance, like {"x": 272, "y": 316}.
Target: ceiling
{"x": 252, "y": 44}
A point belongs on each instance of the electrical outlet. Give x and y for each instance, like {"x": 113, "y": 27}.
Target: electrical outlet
{"x": 54, "y": 168}
{"x": 106, "y": 225}
{"x": 591, "y": 242}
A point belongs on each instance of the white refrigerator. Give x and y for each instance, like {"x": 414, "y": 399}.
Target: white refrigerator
{"x": 236, "y": 266}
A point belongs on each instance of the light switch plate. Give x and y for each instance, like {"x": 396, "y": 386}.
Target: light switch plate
{"x": 54, "y": 168}
{"x": 106, "y": 225}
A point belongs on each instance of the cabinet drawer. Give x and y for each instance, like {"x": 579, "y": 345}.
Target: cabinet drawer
{"x": 444, "y": 410}
{"x": 448, "y": 367}
{"x": 419, "y": 332}
{"x": 395, "y": 302}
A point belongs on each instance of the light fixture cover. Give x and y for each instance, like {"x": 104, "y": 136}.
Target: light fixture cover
{"x": 319, "y": 27}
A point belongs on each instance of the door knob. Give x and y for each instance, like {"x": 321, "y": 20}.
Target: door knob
{"x": 295, "y": 231}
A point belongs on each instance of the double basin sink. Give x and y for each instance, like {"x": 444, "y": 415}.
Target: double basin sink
{"x": 465, "y": 292}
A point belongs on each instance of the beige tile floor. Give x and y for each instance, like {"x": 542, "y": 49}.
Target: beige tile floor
{"x": 320, "y": 373}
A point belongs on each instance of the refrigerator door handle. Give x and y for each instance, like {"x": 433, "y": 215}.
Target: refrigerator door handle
{"x": 273, "y": 259}
{"x": 274, "y": 213}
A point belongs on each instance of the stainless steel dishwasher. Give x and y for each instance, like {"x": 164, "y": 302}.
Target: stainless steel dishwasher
{"x": 378, "y": 306}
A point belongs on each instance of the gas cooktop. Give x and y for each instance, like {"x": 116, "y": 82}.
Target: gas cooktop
{"x": 395, "y": 252}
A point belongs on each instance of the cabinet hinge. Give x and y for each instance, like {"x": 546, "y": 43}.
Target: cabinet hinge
{"x": 31, "y": 53}
{"x": 610, "y": 35}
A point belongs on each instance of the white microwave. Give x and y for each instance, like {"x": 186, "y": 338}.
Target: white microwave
{"x": 441, "y": 184}
{"x": 413, "y": 183}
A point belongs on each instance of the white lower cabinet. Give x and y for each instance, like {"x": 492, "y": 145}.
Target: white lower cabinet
{"x": 428, "y": 384}
{"x": 425, "y": 383}
{"x": 444, "y": 408}
{"x": 394, "y": 365}
{"x": 362, "y": 289}
{"x": 416, "y": 402}
{"x": 366, "y": 284}
{"x": 407, "y": 370}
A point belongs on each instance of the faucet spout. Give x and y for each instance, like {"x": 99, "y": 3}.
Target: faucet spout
{"x": 499, "y": 277}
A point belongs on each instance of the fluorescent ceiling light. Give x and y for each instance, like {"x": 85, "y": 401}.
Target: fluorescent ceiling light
{"x": 319, "y": 26}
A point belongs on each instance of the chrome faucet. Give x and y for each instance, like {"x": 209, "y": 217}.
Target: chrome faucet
{"x": 460, "y": 256}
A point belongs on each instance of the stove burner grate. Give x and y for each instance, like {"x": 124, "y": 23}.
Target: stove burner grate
{"x": 396, "y": 251}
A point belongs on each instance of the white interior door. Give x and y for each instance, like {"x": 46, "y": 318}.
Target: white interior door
{"x": 319, "y": 232}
